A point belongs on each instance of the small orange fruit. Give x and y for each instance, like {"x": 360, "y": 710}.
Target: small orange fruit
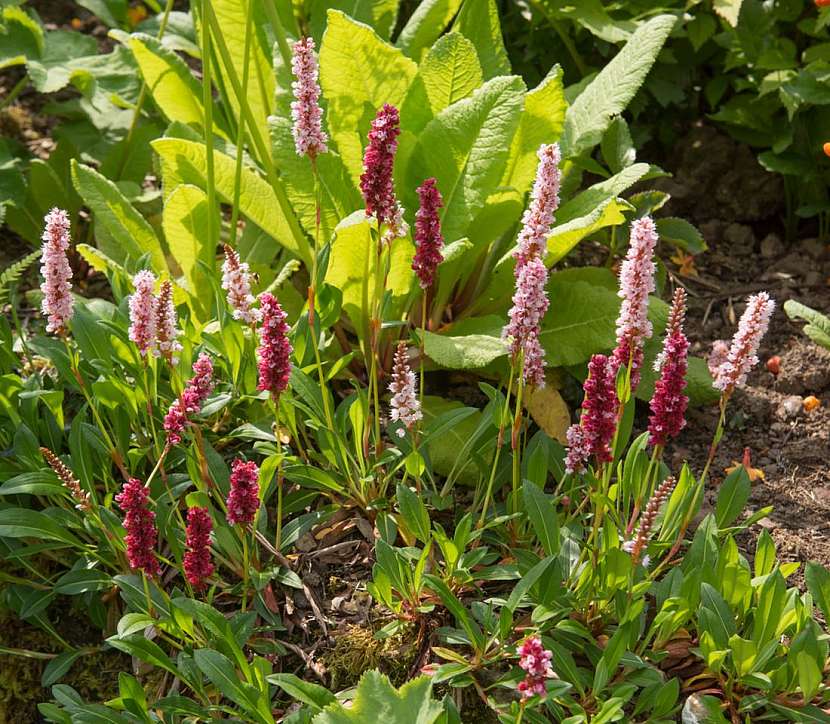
{"x": 826, "y": 146}
{"x": 774, "y": 365}
{"x": 822, "y": 3}
{"x": 76, "y": 23}
{"x": 812, "y": 402}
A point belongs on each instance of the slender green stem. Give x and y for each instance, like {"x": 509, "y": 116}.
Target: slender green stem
{"x": 207, "y": 102}
{"x": 279, "y": 31}
{"x": 147, "y": 596}
{"x": 245, "y": 554}
{"x": 19, "y": 87}
{"x": 278, "y": 538}
{"x": 499, "y": 442}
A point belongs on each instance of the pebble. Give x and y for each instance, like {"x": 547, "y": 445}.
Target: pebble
{"x": 771, "y": 246}
{"x": 790, "y": 407}
{"x": 813, "y": 278}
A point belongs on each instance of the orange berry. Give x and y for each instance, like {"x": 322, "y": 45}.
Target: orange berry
{"x": 826, "y": 146}
{"x": 76, "y": 23}
{"x": 812, "y": 402}
{"x": 822, "y": 3}
{"x": 774, "y": 365}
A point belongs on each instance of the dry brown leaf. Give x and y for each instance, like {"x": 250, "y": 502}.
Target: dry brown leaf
{"x": 549, "y": 411}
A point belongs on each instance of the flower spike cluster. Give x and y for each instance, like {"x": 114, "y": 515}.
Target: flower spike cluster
{"x": 404, "y": 406}
{"x": 195, "y": 393}
{"x": 198, "y": 566}
{"x": 309, "y": 136}
{"x": 274, "y": 350}
{"x": 743, "y": 353}
{"x": 139, "y": 522}
{"x": 530, "y": 302}
{"x": 668, "y": 403}
{"x": 544, "y": 200}
{"x": 243, "y": 499}
{"x": 595, "y": 430}
{"x": 636, "y": 283}
{"x": 236, "y": 281}
{"x": 57, "y": 274}
{"x": 638, "y": 543}
{"x": 428, "y": 238}
{"x": 143, "y": 312}
{"x": 535, "y": 659}
{"x": 376, "y": 182}
{"x": 167, "y": 329}
{"x": 68, "y": 479}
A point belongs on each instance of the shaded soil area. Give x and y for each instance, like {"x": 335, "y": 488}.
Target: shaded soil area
{"x": 738, "y": 207}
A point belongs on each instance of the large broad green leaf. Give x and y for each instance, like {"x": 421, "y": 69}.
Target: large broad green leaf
{"x": 376, "y": 699}
{"x": 184, "y": 162}
{"x": 614, "y": 87}
{"x": 729, "y": 10}
{"x": 541, "y": 122}
{"x": 353, "y": 263}
{"x": 175, "y": 90}
{"x": 231, "y": 16}
{"x": 425, "y": 25}
{"x": 465, "y": 148}
{"x": 463, "y": 352}
{"x": 25, "y": 523}
{"x": 21, "y": 37}
{"x": 478, "y": 20}
{"x": 132, "y": 235}
{"x": 818, "y": 325}
{"x": 338, "y": 195}
{"x": 818, "y": 583}
{"x": 359, "y": 72}
{"x": 378, "y": 14}
{"x": 221, "y": 672}
{"x": 186, "y": 222}
{"x": 567, "y": 235}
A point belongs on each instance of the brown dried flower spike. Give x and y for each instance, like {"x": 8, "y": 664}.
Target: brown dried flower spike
{"x": 650, "y": 515}
{"x": 70, "y": 482}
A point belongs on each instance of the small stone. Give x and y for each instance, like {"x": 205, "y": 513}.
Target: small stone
{"x": 740, "y": 238}
{"x": 771, "y": 246}
{"x": 814, "y": 247}
{"x": 813, "y": 278}
{"x": 790, "y": 407}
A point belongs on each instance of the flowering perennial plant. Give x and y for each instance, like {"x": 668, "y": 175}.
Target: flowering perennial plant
{"x": 309, "y": 136}
{"x": 530, "y": 302}
{"x": 636, "y": 283}
{"x": 274, "y": 350}
{"x": 742, "y": 355}
{"x": 68, "y": 479}
{"x": 167, "y": 324}
{"x": 142, "y": 305}
{"x": 191, "y": 400}
{"x": 236, "y": 281}
{"x": 404, "y": 406}
{"x": 376, "y": 183}
{"x": 139, "y": 522}
{"x": 535, "y": 659}
{"x": 243, "y": 499}
{"x": 428, "y": 238}
{"x": 57, "y": 274}
{"x": 539, "y": 216}
{"x": 198, "y": 566}
{"x": 595, "y": 430}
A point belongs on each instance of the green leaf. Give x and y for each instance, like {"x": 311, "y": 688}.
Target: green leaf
{"x": 478, "y": 20}
{"x": 132, "y": 235}
{"x": 12, "y": 273}
{"x": 457, "y": 609}
{"x": 817, "y": 578}
{"x": 614, "y": 86}
{"x": 765, "y": 556}
{"x": 24, "y": 523}
{"x": 57, "y": 667}
{"x": 818, "y": 327}
{"x": 618, "y": 150}
{"x": 715, "y": 615}
{"x": 465, "y": 148}
{"x": 729, "y": 10}
{"x": 359, "y": 72}
{"x": 378, "y": 14}
{"x": 21, "y": 37}
{"x": 680, "y": 233}
{"x": 541, "y": 512}
{"x": 424, "y": 26}
{"x": 175, "y": 90}
{"x": 36, "y": 482}
{"x": 375, "y": 699}
{"x": 541, "y": 122}
{"x": 222, "y": 673}
{"x": 72, "y": 583}
{"x": 463, "y": 352}
{"x": 313, "y": 695}
{"x": 185, "y": 162}
{"x": 732, "y": 497}
{"x": 414, "y": 512}
{"x": 145, "y": 650}
{"x": 185, "y": 222}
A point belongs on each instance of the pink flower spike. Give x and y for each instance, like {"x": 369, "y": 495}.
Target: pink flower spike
{"x": 579, "y": 449}
{"x": 236, "y": 281}
{"x": 167, "y": 329}
{"x": 143, "y": 312}
{"x": 243, "y": 500}
{"x": 595, "y": 432}
{"x": 743, "y": 353}
{"x": 535, "y": 659}
{"x": 530, "y": 302}
{"x": 428, "y": 238}
{"x": 718, "y": 354}
{"x": 195, "y": 393}
{"x": 668, "y": 403}
{"x": 197, "y": 562}
{"x": 274, "y": 350}
{"x": 376, "y": 182}
{"x": 636, "y": 283}
{"x": 309, "y": 137}
{"x": 544, "y": 200}
{"x": 57, "y": 274}
{"x": 404, "y": 406}
{"x": 139, "y": 522}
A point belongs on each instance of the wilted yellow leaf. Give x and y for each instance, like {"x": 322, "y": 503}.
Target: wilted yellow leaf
{"x": 549, "y": 411}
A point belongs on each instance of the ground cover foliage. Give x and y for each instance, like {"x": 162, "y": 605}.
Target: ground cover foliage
{"x": 309, "y": 220}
